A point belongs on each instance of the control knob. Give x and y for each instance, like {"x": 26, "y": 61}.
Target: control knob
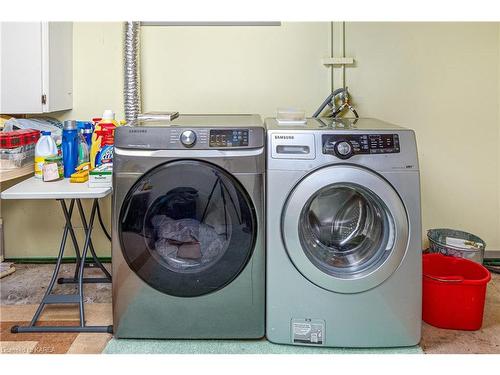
{"x": 188, "y": 138}
{"x": 343, "y": 150}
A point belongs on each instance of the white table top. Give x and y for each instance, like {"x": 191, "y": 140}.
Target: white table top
{"x": 35, "y": 188}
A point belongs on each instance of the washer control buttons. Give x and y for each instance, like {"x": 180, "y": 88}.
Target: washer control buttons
{"x": 188, "y": 138}
{"x": 344, "y": 146}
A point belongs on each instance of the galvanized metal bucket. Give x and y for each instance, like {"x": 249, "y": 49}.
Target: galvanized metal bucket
{"x": 456, "y": 243}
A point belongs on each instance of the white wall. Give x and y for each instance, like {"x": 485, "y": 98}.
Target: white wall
{"x": 442, "y": 80}
{"x": 235, "y": 69}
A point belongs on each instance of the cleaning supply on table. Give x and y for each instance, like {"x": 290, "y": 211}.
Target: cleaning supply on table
{"x": 101, "y": 150}
{"x": 86, "y": 128}
{"x": 58, "y": 140}
{"x": 94, "y": 149}
{"x": 96, "y": 120}
{"x": 105, "y": 154}
{"x": 70, "y": 143}
{"x": 101, "y": 176}
{"x": 82, "y": 173}
{"x": 52, "y": 169}
{"x": 45, "y": 147}
{"x": 83, "y": 150}
{"x": 108, "y": 118}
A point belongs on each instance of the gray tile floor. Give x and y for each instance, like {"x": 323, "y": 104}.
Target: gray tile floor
{"x": 28, "y": 284}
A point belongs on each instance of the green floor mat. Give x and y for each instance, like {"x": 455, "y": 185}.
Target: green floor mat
{"x": 127, "y": 346}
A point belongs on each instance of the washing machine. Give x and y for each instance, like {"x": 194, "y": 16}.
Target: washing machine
{"x": 188, "y": 240}
{"x": 343, "y": 234}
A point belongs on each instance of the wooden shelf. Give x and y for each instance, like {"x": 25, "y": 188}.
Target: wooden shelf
{"x": 10, "y": 174}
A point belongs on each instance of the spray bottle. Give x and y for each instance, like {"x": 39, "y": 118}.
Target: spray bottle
{"x": 107, "y": 122}
{"x": 107, "y": 141}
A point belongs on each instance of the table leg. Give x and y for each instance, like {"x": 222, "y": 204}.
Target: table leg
{"x": 62, "y": 246}
{"x": 50, "y": 298}
{"x": 67, "y": 217}
{"x": 74, "y": 280}
{"x": 86, "y": 247}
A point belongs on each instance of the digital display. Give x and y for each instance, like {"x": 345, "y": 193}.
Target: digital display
{"x": 228, "y": 138}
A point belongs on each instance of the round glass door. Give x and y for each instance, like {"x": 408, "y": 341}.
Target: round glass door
{"x": 345, "y": 230}
{"x": 187, "y": 228}
{"x": 350, "y": 234}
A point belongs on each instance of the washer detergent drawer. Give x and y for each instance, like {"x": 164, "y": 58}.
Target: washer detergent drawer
{"x": 293, "y": 146}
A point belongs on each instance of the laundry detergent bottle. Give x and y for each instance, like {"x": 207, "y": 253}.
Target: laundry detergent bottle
{"x": 103, "y": 137}
{"x": 45, "y": 147}
{"x": 107, "y": 141}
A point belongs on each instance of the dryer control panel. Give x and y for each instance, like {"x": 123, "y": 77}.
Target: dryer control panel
{"x": 344, "y": 146}
{"x": 183, "y": 138}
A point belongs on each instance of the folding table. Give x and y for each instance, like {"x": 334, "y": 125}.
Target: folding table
{"x": 61, "y": 191}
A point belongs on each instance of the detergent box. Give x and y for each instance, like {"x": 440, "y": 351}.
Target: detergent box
{"x": 101, "y": 176}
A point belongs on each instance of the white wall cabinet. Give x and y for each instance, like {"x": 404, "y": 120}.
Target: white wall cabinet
{"x": 36, "y": 67}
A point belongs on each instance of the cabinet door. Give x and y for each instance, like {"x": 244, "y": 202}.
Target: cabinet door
{"x": 20, "y": 67}
{"x": 57, "y": 63}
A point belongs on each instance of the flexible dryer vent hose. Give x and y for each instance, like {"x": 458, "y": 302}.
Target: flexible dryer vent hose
{"x": 132, "y": 84}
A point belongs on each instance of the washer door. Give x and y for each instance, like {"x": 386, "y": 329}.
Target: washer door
{"x": 187, "y": 228}
{"x": 345, "y": 228}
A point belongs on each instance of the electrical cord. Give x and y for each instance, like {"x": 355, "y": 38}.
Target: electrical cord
{"x": 106, "y": 233}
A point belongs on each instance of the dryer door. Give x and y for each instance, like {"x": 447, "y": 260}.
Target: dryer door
{"x": 187, "y": 228}
{"x": 345, "y": 228}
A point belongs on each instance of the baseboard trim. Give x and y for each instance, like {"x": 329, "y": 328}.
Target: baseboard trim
{"x": 490, "y": 257}
{"x": 492, "y": 254}
{"x": 52, "y": 260}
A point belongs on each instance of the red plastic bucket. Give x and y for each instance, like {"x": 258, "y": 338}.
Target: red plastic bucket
{"x": 453, "y": 293}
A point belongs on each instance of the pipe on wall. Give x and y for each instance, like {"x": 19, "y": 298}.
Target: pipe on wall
{"x": 132, "y": 81}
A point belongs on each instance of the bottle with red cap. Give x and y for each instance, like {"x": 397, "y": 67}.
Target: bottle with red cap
{"x": 101, "y": 150}
{"x": 105, "y": 154}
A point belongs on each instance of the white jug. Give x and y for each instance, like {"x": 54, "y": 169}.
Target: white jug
{"x": 45, "y": 147}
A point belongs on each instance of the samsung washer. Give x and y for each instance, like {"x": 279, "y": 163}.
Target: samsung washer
{"x": 343, "y": 234}
{"x": 188, "y": 228}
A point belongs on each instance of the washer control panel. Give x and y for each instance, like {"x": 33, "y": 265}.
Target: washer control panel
{"x": 228, "y": 138}
{"x": 344, "y": 146}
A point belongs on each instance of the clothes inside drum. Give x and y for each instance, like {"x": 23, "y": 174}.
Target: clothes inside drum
{"x": 187, "y": 243}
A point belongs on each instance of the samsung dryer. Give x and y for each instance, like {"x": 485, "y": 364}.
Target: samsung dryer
{"x": 343, "y": 234}
{"x": 188, "y": 228}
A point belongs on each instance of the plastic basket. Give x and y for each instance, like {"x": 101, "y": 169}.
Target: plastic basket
{"x": 438, "y": 244}
{"x": 454, "y": 291}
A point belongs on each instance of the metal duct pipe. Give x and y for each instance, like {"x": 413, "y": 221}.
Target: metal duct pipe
{"x": 132, "y": 84}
